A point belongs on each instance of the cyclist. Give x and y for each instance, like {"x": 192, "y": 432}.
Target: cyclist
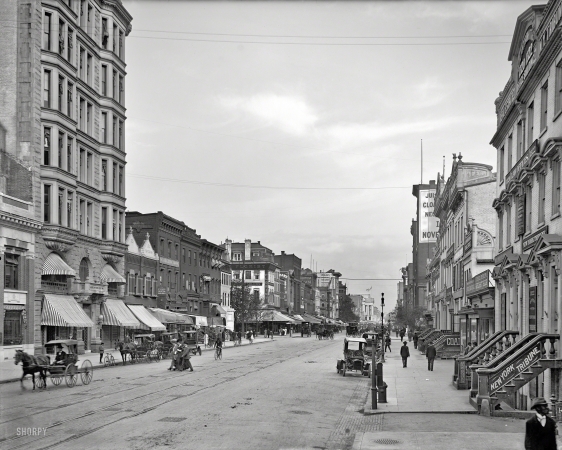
{"x": 218, "y": 345}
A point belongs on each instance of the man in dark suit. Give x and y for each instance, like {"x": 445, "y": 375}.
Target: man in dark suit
{"x": 540, "y": 431}
{"x": 431, "y": 353}
{"x": 405, "y": 354}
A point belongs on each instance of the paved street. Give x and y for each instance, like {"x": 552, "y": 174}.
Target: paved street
{"x": 279, "y": 394}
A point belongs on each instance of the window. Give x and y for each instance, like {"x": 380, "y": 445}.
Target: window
{"x": 120, "y": 142}
{"x": 104, "y": 33}
{"x": 115, "y": 87}
{"x": 90, "y": 18}
{"x": 115, "y": 217}
{"x": 47, "y": 31}
{"x": 183, "y": 256}
{"x": 542, "y": 197}
{"x": 104, "y": 128}
{"x": 82, "y": 164}
{"x": 82, "y": 217}
{"x": 115, "y": 37}
{"x": 69, "y": 37}
{"x": 544, "y": 105}
{"x": 84, "y": 270}
{"x": 558, "y": 93}
{"x": 82, "y": 115}
{"x": 256, "y": 275}
{"x": 501, "y": 156}
{"x": 61, "y": 37}
{"x": 120, "y": 239}
{"x": 69, "y": 167}
{"x": 47, "y": 203}
{"x": 555, "y": 187}
{"x": 47, "y": 147}
{"x": 530, "y": 123}
{"x": 11, "y": 271}
{"x": 189, "y": 256}
{"x": 528, "y": 208}
{"x": 115, "y": 131}
{"x": 169, "y": 249}
{"x": 81, "y": 68}
{"x": 89, "y": 218}
{"x": 69, "y": 97}
{"x": 104, "y": 80}
{"x": 89, "y": 118}
{"x": 61, "y": 93}
{"x": 120, "y": 44}
{"x": 121, "y": 90}
{"x": 237, "y": 256}
{"x": 69, "y": 208}
{"x": 61, "y": 149}
{"x": 47, "y": 89}
{"x": 104, "y": 223}
{"x": 194, "y": 258}
{"x": 248, "y": 274}
{"x": 520, "y": 139}
{"x": 89, "y": 168}
{"x": 89, "y": 69}
{"x": 114, "y": 178}
{"x": 508, "y": 225}
{"x": 104, "y": 174}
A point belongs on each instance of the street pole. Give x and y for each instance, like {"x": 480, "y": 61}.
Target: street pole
{"x": 374, "y": 377}
{"x": 382, "y": 325}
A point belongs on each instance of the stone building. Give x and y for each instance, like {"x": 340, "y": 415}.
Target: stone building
{"x": 527, "y": 271}
{"x": 291, "y": 265}
{"x": 308, "y": 290}
{"x": 329, "y": 293}
{"x": 464, "y": 250}
{"x": 63, "y": 65}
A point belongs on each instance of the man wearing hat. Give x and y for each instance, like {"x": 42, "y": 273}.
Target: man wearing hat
{"x": 405, "y": 354}
{"x": 540, "y": 431}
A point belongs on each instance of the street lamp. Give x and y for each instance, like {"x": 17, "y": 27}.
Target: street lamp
{"x": 382, "y": 325}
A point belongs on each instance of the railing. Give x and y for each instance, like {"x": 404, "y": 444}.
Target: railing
{"x": 517, "y": 361}
{"x": 483, "y": 354}
{"x": 432, "y": 337}
{"x": 54, "y": 286}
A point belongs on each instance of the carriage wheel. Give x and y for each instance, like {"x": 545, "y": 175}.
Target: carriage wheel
{"x": 56, "y": 379}
{"x": 106, "y": 361}
{"x": 199, "y": 350}
{"x": 70, "y": 375}
{"x": 344, "y": 370}
{"x": 86, "y": 372}
{"x": 39, "y": 382}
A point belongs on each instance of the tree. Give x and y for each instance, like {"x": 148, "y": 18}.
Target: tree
{"x": 408, "y": 316}
{"x": 247, "y": 306}
{"x": 347, "y": 307}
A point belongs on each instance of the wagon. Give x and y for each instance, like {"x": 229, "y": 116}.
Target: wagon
{"x": 67, "y": 368}
{"x": 354, "y": 357}
{"x": 145, "y": 348}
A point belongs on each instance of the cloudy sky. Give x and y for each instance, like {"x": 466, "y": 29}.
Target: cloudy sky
{"x": 299, "y": 124}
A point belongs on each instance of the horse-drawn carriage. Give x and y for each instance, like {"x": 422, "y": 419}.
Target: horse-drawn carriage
{"x": 325, "y": 332}
{"x": 64, "y": 367}
{"x": 147, "y": 349}
{"x": 354, "y": 357}
{"x": 306, "y": 329}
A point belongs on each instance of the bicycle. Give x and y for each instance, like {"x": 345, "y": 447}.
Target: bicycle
{"x": 218, "y": 353}
{"x": 108, "y": 360}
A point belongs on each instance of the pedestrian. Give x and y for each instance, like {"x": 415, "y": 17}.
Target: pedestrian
{"x": 416, "y": 338}
{"x": 101, "y": 352}
{"x": 206, "y": 339}
{"x": 540, "y": 431}
{"x": 405, "y": 354}
{"x": 387, "y": 342}
{"x": 468, "y": 348}
{"x": 430, "y": 353}
{"x": 410, "y": 335}
{"x": 402, "y": 334}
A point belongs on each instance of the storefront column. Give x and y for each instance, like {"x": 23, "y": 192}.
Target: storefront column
{"x": 524, "y": 322}
{"x": 29, "y": 322}
{"x": 514, "y": 302}
{"x": 559, "y": 309}
{"x": 547, "y": 310}
{"x": 497, "y": 305}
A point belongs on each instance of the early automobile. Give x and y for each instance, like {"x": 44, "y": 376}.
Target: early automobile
{"x": 352, "y": 329}
{"x": 354, "y": 357}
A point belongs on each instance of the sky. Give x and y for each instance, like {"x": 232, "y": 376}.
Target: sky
{"x": 300, "y": 124}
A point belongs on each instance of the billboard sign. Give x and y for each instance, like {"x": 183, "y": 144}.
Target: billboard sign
{"x": 428, "y": 224}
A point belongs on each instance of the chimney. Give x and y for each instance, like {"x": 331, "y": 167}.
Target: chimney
{"x": 282, "y": 252}
{"x": 228, "y": 248}
{"x": 248, "y": 249}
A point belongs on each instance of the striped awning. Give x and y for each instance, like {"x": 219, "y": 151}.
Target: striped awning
{"x": 116, "y": 313}
{"x": 110, "y": 275}
{"x": 54, "y": 265}
{"x": 273, "y": 315}
{"x": 166, "y": 316}
{"x": 219, "y": 308}
{"x": 146, "y": 319}
{"x": 63, "y": 311}
{"x": 200, "y": 320}
{"x": 13, "y": 307}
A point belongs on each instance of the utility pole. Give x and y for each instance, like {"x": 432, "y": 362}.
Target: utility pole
{"x": 382, "y": 325}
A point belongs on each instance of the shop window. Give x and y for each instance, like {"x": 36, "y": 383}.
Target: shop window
{"x": 13, "y": 330}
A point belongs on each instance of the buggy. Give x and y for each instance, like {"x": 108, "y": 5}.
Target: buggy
{"x": 67, "y": 367}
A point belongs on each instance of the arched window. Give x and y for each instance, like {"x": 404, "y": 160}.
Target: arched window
{"x": 84, "y": 271}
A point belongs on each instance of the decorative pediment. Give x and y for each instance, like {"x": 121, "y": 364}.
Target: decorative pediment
{"x": 484, "y": 238}
{"x": 509, "y": 261}
{"x": 146, "y": 250}
{"x": 547, "y": 243}
{"x": 523, "y": 262}
{"x": 551, "y": 148}
{"x": 132, "y": 246}
{"x": 537, "y": 163}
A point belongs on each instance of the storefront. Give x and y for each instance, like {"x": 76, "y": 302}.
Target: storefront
{"x": 147, "y": 321}
{"x": 63, "y": 318}
{"x": 117, "y": 318}
{"x": 172, "y": 320}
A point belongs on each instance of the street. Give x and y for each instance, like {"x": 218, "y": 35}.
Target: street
{"x": 280, "y": 394}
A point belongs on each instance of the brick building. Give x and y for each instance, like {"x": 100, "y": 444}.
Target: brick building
{"x": 329, "y": 293}
{"x": 309, "y": 290}
{"x": 291, "y": 265}
{"x": 57, "y": 65}
{"x": 211, "y": 264}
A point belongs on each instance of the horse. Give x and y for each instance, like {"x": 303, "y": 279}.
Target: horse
{"x": 126, "y": 348}
{"x": 32, "y": 364}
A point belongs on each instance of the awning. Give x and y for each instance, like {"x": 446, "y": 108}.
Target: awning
{"x": 215, "y": 321}
{"x": 166, "y": 316}
{"x": 110, "y": 275}
{"x": 295, "y": 320}
{"x": 310, "y": 319}
{"x": 54, "y": 265}
{"x": 200, "y": 320}
{"x": 272, "y": 315}
{"x": 116, "y": 313}
{"x": 146, "y": 319}
{"x": 13, "y": 307}
{"x": 63, "y": 311}
{"x": 219, "y": 308}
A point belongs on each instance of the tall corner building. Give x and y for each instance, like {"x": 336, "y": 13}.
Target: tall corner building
{"x": 425, "y": 231}
{"x": 62, "y": 127}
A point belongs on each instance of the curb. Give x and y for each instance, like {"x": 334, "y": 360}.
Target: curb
{"x": 99, "y": 367}
{"x": 372, "y": 412}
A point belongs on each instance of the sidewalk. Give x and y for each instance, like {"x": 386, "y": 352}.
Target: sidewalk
{"x": 415, "y": 389}
{"x": 9, "y": 372}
